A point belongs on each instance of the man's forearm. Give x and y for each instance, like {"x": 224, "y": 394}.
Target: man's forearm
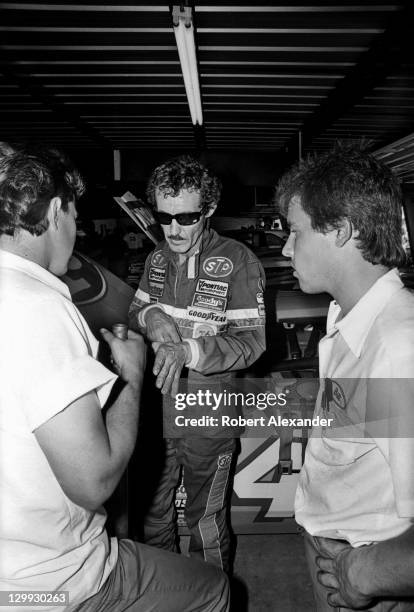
{"x": 229, "y": 352}
{"x": 122, "y": 427}
{"x": 385, "y": 569}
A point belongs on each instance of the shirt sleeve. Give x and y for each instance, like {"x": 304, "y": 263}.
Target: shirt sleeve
{"x": 59, "y": 364}
{"x": 391, "y": 401}
{"x": 244, "y": 340}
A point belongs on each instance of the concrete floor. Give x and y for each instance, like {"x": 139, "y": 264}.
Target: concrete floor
{"x": 270, "y": 575}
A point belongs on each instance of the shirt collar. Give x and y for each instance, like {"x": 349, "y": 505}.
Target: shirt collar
{"x": 355, "y": 326}
{"x": 21, "y": 264}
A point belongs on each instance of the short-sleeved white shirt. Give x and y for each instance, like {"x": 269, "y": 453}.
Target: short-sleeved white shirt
{"x": 357, "y": 482}
{"x": 47, "y": 361}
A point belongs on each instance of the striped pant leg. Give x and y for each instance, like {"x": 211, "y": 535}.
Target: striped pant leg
{"x": 208, "y": 469}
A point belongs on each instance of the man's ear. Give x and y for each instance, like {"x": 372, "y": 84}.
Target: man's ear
{"x": 343, "y": 233}
{"x": 210, "y": 210}
{"x": 55, "y": 207}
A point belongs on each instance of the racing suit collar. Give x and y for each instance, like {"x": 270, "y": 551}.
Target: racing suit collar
{"x": 193, "y": 261}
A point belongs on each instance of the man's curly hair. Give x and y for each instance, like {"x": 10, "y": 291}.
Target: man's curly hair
{"x": 30, "y": 176}
{"x": 347, "y": 182}
{"x": 180, "y": 173}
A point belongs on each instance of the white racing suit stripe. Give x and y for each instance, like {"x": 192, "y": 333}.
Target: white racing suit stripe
{"x": 238, "y": 315}
{"x": 207, "y": 525}
{"x": 142, "y": 296}
{"x": 242, "y": 314}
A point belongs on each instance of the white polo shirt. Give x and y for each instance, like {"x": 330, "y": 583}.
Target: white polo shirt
{"x": 357, "y": 482}
{"x": 47, "y": 361}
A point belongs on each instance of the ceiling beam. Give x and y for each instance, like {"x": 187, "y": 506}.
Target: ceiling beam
{"x": 386, "y": 54}
{"x": 28, "y": 85}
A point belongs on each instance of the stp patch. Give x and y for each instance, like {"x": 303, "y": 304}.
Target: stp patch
{"x": 224, "y": 461}
{"x": 218, "y": 267}
{"x": 158, "y": 259}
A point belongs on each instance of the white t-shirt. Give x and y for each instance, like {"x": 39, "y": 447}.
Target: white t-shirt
{"x": 47, "y": 361}
{"x": 357, "y": 482}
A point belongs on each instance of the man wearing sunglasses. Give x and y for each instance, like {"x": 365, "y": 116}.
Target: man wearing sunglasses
{"x": 65, "y": 435}
{"x": 200, "y": 303}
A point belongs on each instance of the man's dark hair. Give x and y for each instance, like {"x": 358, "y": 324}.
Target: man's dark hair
{"x": 184, "y": 172}
{"x": 30, "y": 176}
{"x": 350, "y": 183}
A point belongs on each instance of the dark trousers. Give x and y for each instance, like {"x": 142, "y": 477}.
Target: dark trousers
{"x": 207, "y": 467}
{"x": 146, "y": 579}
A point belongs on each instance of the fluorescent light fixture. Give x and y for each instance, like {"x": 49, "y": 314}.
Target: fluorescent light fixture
{"x": 399, "y": 156}
{"x": 184, "y": 36}
{"x": 117, "y": 165}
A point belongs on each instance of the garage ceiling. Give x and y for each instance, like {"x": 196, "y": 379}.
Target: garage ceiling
{"x": 274, "y": 77}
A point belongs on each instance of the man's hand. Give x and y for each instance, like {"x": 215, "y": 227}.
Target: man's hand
{"x": 160, "y": 327}
{"x": 170, "y": 359}
{"x": 129, "y": 356}
{"x": 338, "y": 572}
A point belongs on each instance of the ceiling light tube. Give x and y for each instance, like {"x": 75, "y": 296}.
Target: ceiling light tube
{"x": 184, "y": 36}
{"x": 192, "y": 59}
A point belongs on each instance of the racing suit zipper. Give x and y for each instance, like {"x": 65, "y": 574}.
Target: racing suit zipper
{"x": 177, "y": 270}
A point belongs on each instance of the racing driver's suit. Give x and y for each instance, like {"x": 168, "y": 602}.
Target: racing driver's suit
{"x": 216, "y": 300}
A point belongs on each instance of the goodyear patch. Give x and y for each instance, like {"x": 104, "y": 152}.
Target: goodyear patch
{"x": 157, "y": 275}
{"x": 202, "y": 329}
{"x": 218, "y": 267}
{"x": 211, "y": 302}
{"x": 205, "y": 285}
{"x": 159, "y": 260}
{"x": 200, "y": 315}
{"x": 224, "y": 461}
{"x": 156, "y": 289}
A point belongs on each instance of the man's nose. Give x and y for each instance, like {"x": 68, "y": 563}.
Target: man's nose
{"x": 175, "y": 228}
{"x": 287, "y": 250}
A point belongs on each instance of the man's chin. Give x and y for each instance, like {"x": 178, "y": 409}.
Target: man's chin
{"x": 59, "y": 271}
{"x": 178, "y": 247}
{"x": 308, "y": 288}
{"x": 59, "y": 268}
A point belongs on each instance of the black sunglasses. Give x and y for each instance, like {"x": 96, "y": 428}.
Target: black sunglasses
{"x": 186, "y": 218}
